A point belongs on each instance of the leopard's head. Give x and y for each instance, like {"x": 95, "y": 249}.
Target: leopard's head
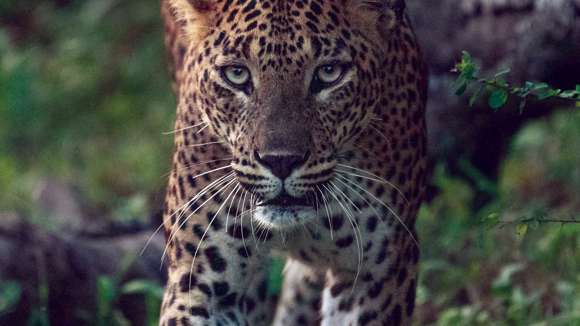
{"x": 288, "y": 86}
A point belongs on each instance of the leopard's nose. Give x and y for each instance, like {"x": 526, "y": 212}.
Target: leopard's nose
{"x": 281, "y": 165}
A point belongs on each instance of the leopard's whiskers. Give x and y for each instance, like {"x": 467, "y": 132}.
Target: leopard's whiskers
{"x": 189, "y": 166}
{"x": 229, "y": 178}
{"x": 174, "y": 230}
{"x": 350, "y": 201}
{"x": 390, "y": 209}
{"x": 206, "y": 144}
{"x": 327, "y": 211}
{"x": 186, "y": 206}
{"x": 252, "y": 220}
{"x": 316, "y": 203}
{"x": 205, "y": 190}
{"x": 163, "y": 223}
{"x": 371, "y": 176}
{"x": 352, "y": 223}
{"x": 223, "y": 188}
{"x": 238, "y": 187}
{"x": 202, "y": 129}
{"x": 377, "y": 130}
{"x": 241, "y": 216}
{"x": 349, "y": 187}
{"x": 356, "y": 225}
{"x": 183, "y": 129}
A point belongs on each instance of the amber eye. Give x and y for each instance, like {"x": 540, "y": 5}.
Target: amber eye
{"x": 330, "y": 74}
{"x": 237, "y": 76}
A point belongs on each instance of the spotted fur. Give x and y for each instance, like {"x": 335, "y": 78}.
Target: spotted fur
{"x": 355, "y": 183}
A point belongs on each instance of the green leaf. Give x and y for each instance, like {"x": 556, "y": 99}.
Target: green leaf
{"x": 460, "y": 87}
{"x": 498, "y": 98}
{"x": 476, "y": 95}
{"x": 469, "y": 72}
{"x": 106, "y": 294}
{"x": 106, "y": 288}
{"x": 504, "y": 280}
{"x": 491, "y": 220}
{"x": 501, "y": 83}
{"x": 275, "y": 277}
{"x": 529, "y": 85}
{"x": 502, "y": 72}
{"x": 546, "y": 94}
{"x": 539, "y": 86}
{"x": 143, "y": 287}
{"x": 466, "y": 57}
{"x": 466, "y": 67}
{"x": 570, "y": 94}
{"x": 521, "y": 230}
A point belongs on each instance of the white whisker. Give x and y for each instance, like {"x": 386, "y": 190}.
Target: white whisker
{"x": 202, "y": 129}
{"x": 189, "y": 166}
{"x": 355, "y": 225}
{"x": 228, "y": 179}
{"x": 357, "y": 235}
{"x": 182, "y": 209}
{"x": 207, "y": 229}
{"x": 380, "y": 133}
{"x": 372, "y": 177}
{"x": 183, "y": 129}
{"x": 392, "y": 211}
{"x": 238, "y": 187}
{"x": 327, "y": 212}
{"x": 206, "y": 144}
{"x": 252, "y": 221}
{"x": 242, "y": 222}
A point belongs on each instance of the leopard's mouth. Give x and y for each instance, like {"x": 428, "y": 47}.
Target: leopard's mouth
{"x": 284, "y": 211}
{"x": 285, "y": 200}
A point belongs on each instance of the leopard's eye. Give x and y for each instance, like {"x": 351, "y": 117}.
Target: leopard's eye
{"x": 237, "y": 76}
{"x": 330, "y": 73}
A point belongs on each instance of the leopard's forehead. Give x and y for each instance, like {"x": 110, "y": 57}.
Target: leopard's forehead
{"x": 283, "y": 35}
{"x": 281, "y": 17}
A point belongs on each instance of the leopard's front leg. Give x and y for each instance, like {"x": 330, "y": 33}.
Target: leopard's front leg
{"x": 384, "y": 294}
{"x": 301, "y": 296}
{"x": 224, "y": 285}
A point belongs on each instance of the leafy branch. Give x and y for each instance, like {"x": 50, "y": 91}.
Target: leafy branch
{"x": 498, "y": 90}
{"x": 524, "y": 223}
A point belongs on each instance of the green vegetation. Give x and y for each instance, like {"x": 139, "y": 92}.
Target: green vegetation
{"x": 109, "y": 292}
{"x": 85, "y": 97}
{"x": 514, "y": 261}
{"x": 10, "y": 293}
{"x": 499, "y": 90}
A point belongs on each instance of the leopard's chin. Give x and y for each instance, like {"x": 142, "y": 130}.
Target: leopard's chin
{"x": 280, "y": 217}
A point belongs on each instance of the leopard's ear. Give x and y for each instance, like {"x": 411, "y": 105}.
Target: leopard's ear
{"x": 382, "y": 15}
{"x": 191, "y": 18}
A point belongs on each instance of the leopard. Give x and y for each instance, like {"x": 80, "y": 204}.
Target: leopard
{"x": 299, "y": 139}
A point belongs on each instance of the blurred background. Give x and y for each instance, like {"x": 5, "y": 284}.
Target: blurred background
{"x": 85, "y": 99}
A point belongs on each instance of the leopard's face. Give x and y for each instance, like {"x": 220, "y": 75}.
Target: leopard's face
{"x": 288, "y": 95}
